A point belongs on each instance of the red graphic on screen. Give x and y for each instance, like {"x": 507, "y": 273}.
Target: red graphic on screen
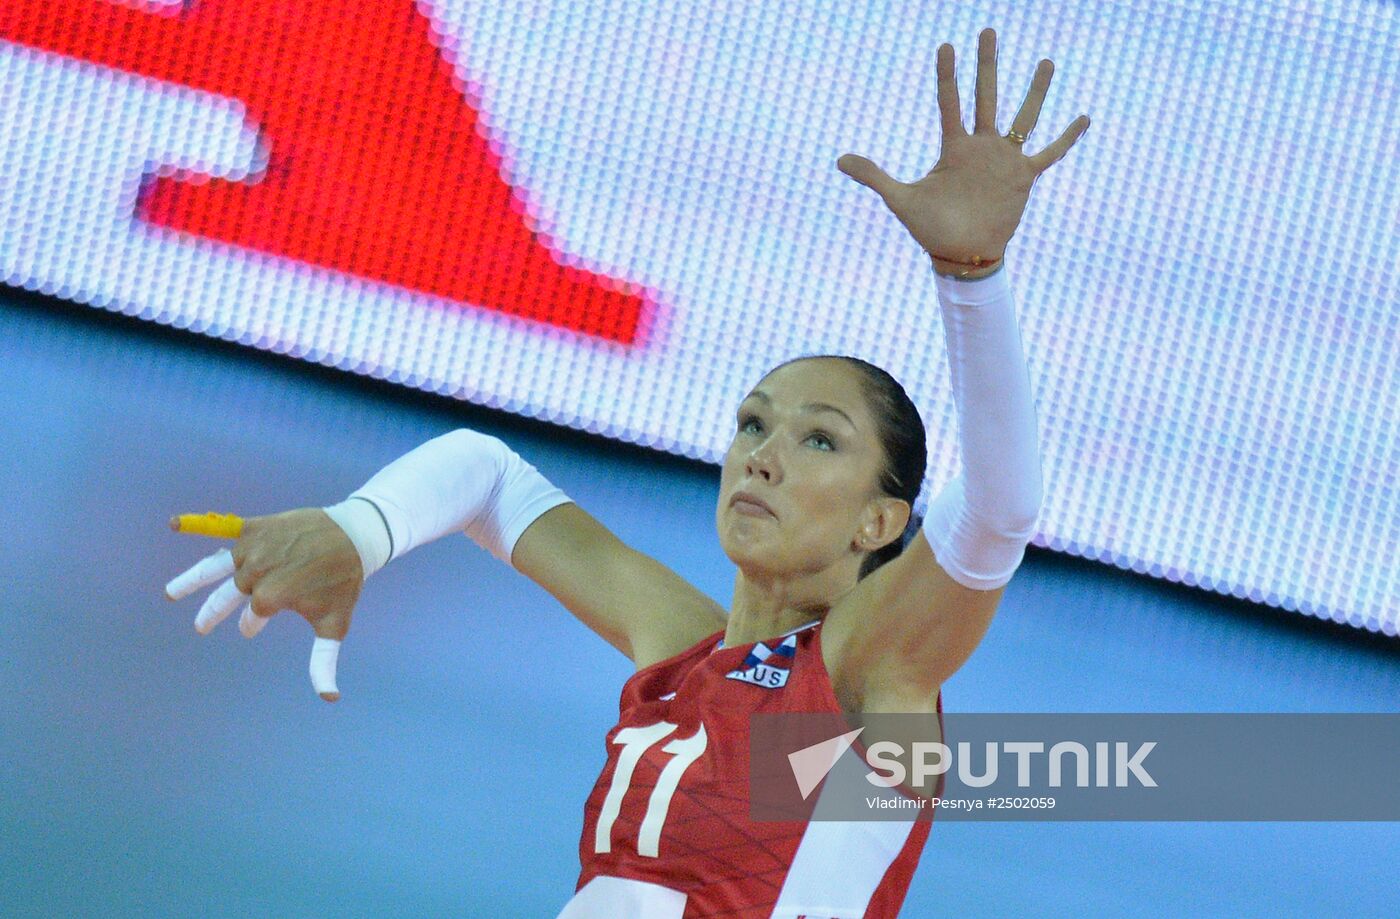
{"x": 378, "y": 164}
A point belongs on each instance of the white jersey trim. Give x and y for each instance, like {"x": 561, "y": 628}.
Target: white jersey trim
{"x": 608, "y": 897}
{"x": 841, "y": 863}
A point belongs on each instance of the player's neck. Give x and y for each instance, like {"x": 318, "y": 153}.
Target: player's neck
{"x": 765, "y": 608}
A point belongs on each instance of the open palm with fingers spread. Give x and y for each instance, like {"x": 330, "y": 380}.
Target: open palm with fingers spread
{"x": 970, "y": 203}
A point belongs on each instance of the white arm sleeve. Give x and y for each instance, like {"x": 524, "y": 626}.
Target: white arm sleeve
{"x": 981, "y": 521}
{"x": 461, "y": 481}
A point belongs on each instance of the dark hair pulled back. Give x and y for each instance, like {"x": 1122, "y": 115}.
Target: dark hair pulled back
{"x": 902, "y": 435}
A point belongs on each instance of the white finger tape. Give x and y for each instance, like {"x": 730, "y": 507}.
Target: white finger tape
{"x": 323, "y": 657}
{"x": 250, "y": 623}
{"x": 217, "y": 607}
{"x": 203, "y": 573}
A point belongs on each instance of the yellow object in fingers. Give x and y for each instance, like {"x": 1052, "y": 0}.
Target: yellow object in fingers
{"x": 221, "y": 526}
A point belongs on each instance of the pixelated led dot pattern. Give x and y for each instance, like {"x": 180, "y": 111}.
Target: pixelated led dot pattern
{"x": 616, "y": 217}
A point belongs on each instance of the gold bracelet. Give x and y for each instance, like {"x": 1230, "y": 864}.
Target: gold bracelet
{"x": 977, "y": 263}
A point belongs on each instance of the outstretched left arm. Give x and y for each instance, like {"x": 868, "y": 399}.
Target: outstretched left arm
{"x": 911, "y": 623}
{"x": 914, "y": 621}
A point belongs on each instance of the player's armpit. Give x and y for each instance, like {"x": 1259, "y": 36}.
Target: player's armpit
{"x": 638, "y": 605}
{"x": 908, "y": 622}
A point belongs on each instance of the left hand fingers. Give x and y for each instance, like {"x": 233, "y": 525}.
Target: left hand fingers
{"x": 949, "y": 108}
{"x": 986, "y": 118}
{"x": 1029, "y": 113}
{"x": 1025, "y": 120}
{"x": 1051, "y": 154}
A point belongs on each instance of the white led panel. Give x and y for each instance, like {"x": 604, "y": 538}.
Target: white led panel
{"x": 617, "y": 216}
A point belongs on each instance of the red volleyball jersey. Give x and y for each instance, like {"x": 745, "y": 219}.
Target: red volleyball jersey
{"x": 667, "y": 832}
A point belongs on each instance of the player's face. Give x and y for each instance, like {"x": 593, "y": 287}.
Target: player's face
{"x": 816, "y": 468}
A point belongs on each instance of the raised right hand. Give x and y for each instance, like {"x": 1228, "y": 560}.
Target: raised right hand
{"x": 299, "y": 560}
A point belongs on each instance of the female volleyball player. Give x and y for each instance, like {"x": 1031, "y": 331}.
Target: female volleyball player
{"x": 843, "y": 601}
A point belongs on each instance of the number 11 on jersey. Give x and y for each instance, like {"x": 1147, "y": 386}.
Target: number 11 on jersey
{"x": 635, "y": 742}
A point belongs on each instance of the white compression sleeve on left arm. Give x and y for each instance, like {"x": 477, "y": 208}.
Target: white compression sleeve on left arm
{"x": 981, "y": 521}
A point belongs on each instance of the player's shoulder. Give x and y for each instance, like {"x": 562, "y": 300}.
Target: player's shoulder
{"x": 686, "y": 650}
{"x": 662, "y": 677}
{"x": 668, "y": 639}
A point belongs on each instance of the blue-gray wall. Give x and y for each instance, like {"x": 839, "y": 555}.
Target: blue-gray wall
{"x": 146, "y": 770}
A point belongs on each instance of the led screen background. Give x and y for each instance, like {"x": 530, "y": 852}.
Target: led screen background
{"x": 616, "y": 216}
